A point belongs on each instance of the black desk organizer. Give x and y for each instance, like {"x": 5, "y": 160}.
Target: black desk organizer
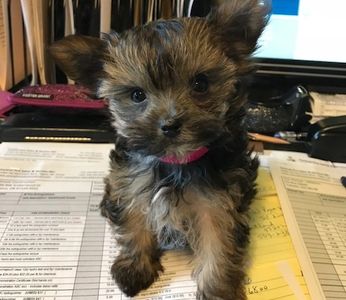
{"x": 45, "y": 125}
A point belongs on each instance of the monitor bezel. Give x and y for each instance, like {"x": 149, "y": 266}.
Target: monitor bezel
{"x": 302, "y": 71}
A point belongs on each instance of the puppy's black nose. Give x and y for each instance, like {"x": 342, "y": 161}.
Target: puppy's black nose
{"x": 171, "y": 128}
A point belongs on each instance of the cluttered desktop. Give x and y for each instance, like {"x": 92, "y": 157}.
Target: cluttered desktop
{"x": 56, "y": 137}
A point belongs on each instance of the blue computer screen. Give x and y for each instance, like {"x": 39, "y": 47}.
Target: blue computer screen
{"x": 285, "y": 7}
{"x": 313, "y": 30}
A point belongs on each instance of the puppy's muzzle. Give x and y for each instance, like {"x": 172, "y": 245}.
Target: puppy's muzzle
{"x": 171, "y": 128}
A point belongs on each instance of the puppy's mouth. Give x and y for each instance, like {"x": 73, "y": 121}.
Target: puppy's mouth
{"x": 192, "y": 144}
{"x": 186, "y": 159}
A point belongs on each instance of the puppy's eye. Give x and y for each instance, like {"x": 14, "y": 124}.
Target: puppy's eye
{"x": 138, "y": 95}
{"x": 200, "y": 84}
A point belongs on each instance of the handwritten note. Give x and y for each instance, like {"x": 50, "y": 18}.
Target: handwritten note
{"x": 271, "y": 245}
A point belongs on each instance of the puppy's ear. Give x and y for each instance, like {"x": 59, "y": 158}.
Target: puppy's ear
{"x": 237, "y": 25}
{"x": 81, "y": 58}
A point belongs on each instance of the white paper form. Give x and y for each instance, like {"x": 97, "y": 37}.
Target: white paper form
{"x": 53, "y": 242}
{"x": 60, "y": 152}
{"x": 50, "y": 228}
{"x": 314, "y": 204}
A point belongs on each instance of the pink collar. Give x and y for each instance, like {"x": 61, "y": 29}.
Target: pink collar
{"x": 190, "y": 157}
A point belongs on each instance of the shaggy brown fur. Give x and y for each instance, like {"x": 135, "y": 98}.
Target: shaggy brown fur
{"x": 172, "y": 87}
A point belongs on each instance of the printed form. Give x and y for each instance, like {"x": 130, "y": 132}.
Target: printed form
{"x": 314, "y": 204}
{"x": 55, "y": 245}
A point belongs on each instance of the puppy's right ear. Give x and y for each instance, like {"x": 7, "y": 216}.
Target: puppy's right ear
{"x": 81, "y": 58}
{"x": 237, "y": 25}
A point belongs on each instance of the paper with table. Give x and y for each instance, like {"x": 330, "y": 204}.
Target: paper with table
{"x": 55, "y": 245}
{"x": 314, "y": 204}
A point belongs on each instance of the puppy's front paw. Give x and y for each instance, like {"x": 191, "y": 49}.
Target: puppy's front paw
{"x": 238, "y": 294}
{"x": 133, "y": 274}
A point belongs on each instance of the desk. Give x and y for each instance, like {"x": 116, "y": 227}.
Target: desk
{"x": 55, "y": 245}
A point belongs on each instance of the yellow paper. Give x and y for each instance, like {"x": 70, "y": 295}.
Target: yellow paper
{"x": 267, "y": 282}
{"x": 274, "y": 271}
{"x": 270, "y": 240}
{"x": 265, "y": 185}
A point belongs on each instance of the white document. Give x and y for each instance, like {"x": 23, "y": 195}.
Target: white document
{"x": 314, "y": 204}
{"x": 53, "y": 242}
{"x": 63, "y": 153}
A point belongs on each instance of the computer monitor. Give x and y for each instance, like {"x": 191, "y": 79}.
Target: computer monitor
{"x": 305, "y": 40}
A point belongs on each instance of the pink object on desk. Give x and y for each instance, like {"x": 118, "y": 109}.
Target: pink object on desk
{"x": 5, "y": 103}
{"x": 58, "y": 95}
{"x": 50, "y": 95}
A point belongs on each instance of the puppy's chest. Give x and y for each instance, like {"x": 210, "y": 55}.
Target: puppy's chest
{"x": 166, "y": 203}
{"x": 172, "y": 215}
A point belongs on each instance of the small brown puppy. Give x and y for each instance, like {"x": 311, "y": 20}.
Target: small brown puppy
{"x": 181, "y": 174}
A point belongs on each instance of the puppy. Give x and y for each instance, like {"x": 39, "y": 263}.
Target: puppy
{"x": 180, "y": 174}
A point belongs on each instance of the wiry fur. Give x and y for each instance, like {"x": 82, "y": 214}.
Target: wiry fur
{"x": 155, "y": 205}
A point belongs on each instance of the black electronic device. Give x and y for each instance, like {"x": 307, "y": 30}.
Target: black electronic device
{"x": 59, "y": 126}
{"x": 327, "y": 139}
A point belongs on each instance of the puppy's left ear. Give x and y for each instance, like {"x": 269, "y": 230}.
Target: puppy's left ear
{"x": 81, "y": 58}
{"x": 237, "y": 24}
